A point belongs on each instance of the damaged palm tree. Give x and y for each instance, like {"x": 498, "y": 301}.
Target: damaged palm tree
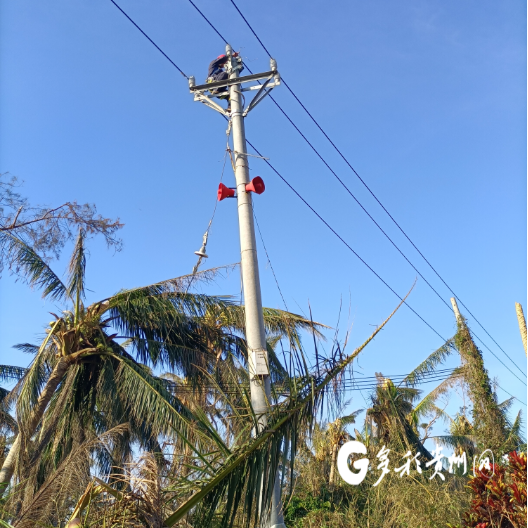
{"x": 490, "y": 428}
{"x": 91, "y": 372}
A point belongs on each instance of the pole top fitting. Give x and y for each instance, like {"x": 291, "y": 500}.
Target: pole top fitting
{"x": 229, "y": 50}
{"x": 273, "y": 65}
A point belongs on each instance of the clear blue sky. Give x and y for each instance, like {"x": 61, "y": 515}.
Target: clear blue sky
{"x": 426, "y": 99}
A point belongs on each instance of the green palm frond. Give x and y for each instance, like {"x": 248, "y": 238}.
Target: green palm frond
{"x": 77, "y": 272}
{"x": 8, "y": 372}
{"x": 184, "y": 283}
{"x": 28, "y": 388}
{"x": 148, "y": 400}
{"x": 465, "y": 442}
{"x": 506, "y": 404}
{"x": 430, "y": 363}
{"x": 427, "y": 404}
{"x": 515, "y": 437}
{"x": 177, "y": 285}
{"x": 351, "y": 418}
{"x": 27, "y": 348}
{"x": 166, "y": 327}
{"x": 276, "y": 322}
{"x": 32, "y": 268}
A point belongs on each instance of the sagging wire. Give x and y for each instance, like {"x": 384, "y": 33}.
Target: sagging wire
{"x": 268, "y": 259}
{"x": 201, "y": 252}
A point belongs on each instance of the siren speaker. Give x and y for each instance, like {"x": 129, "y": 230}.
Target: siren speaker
{"x": 224, "y": 192}
{"x": 256, "y": 185}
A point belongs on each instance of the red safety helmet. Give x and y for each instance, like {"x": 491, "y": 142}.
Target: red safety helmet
{"x": 235, "y": 54}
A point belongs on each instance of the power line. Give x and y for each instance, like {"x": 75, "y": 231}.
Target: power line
{"x": 342, "y": 239}
{"x": 364, "y": 384}
{"x": 151, "y": 41}
{"x": 357, "y": 255}
{"x": 371, "y": 192}
{"x": 299, "y": 196}
{"x": 518, "y": 399}
{"x": 207, "y": 20}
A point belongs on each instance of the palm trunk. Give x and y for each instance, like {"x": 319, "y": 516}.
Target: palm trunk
{"x": 333, "y": 465}
{"x": 56, "y": 377}
{"x": 522, "y": 325}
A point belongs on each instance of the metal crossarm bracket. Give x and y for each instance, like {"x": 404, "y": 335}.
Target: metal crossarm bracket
{"x": 208, "y": 101}
{"x": 260, "y": 95}
{"x": 272, "y": 79}
{"x": 230, "y": 82}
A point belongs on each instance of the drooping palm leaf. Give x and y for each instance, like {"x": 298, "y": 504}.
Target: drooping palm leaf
{"x": 277, "y": 322}
{"x": 40, "y": 508}
{"x": 32, "y": 268}
{"x": 165, "y": 325}
{"x": 9, "y": 372}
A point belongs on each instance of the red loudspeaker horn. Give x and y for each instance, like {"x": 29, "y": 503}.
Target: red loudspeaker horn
{"x": 224, "y": 192}
{"x": 256, "y": 185}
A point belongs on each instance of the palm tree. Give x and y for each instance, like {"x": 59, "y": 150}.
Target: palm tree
{"x": 90, "y": 373}
{"x": 391, "y": 412}
{"x": 337, "y": 435}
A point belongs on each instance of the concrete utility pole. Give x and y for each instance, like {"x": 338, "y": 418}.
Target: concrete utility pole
{"x": 255, "y": 332}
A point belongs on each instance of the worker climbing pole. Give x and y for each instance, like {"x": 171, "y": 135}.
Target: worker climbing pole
{"x": 254, "y": 320}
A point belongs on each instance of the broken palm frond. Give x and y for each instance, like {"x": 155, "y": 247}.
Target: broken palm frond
{"x": 72, "y": 473}
{"x": 249, "y": 472}
{"x": 140, "y": 501}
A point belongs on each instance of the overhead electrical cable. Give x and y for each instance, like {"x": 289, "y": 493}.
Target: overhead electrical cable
{"x": 370, "y": 191}
{"x": 518, "y": 399}
{"x": 151, "y": 41}
{"x": 350, "y": 192}
{"x": 365, "y": 263}
{"x": 365, "y": 383}
{"x": 302, "y": 199}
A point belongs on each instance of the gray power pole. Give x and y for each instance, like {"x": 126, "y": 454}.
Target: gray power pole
{"x": 255, "y": 331}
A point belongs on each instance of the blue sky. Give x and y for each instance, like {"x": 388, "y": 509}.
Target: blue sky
{"x": 427, "y": 101}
